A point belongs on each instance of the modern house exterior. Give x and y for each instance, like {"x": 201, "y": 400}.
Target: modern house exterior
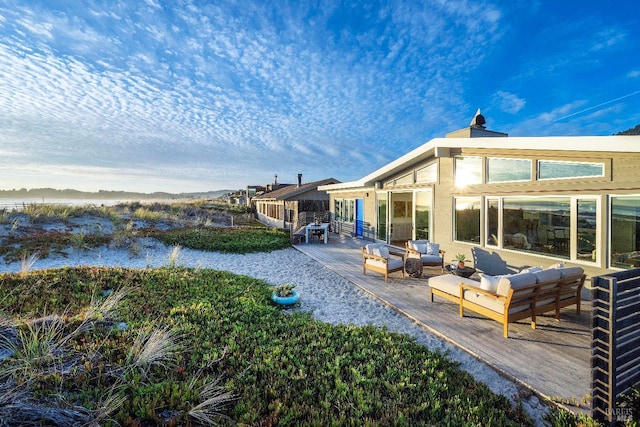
{"x": 285, "y": 206}
{"x": 507, "y": 202}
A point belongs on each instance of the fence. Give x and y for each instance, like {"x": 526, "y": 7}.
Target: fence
{"x": 615, "y": 358}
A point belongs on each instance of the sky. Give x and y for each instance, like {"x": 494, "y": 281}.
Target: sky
{"x": 199, "y": 95}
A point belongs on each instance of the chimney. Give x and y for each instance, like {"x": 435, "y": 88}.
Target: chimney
{"x": 299, "y": 179}
{"x": 275, "y": 181}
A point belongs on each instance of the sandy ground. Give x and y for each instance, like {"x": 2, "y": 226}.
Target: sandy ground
{"x": 331, "y": 298}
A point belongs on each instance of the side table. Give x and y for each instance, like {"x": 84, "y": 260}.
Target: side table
{"x": 462, "y": 272}
{"x": 413, "y": 267}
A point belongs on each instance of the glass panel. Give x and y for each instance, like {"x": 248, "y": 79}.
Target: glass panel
{"x": 505, "y": 170}
{"x": 428, "y": 173}
{"x": 338, "y": 209}
{"x": 467, "y": 220}
{"x": 625, "y": 232}
{"x": 537, "y": 225}
{"x": 423, "y": 211}
{"x": 349, "y": 211}
{"x": 401, "y": 209}
{"x": 382, "y": 217}
{"x": 492, "y": 223}
{"x": 552, "y": 169}
{"x": 587, "y": 230}
{"x": 468, "y": 171}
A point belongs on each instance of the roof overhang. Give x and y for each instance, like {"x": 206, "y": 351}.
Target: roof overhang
{"x": 440, "y": 147}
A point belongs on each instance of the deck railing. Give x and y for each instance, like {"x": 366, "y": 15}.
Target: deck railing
{"x": 615, "y": 366}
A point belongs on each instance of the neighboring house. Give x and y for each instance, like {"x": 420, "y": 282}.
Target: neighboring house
{"x": 293, "y": 205}
{"x": 509, "y": 202}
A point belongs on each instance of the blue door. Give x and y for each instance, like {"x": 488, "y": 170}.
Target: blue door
{"x": 359, "y": 217}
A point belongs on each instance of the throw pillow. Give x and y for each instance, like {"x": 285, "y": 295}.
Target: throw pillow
{"x": 489, "y": 283}
{"x": 421, "y": 247}
{"x": 433, "y": 249}
{"x": 558, "y": 265}
{"x": 381, "y": 250}
{"x": 531, "y": 269}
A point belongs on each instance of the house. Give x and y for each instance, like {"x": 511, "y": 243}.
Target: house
{"x": 507, "y": 202}
{"x": 291, "y": 206}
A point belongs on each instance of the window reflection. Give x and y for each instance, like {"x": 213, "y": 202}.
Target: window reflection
{"x": 507, "y": 170}
{"x": 625, "y": 232}
{"x": 537, "y": 225}
{"x": 468, "y": 171}
{"x": 467, "y": 219}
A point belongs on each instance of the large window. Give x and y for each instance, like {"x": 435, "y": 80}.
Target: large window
{"x": 625, "y": 231}
{"x": 468, "y": 171}
{"x": 507, "y": 170}
{"x": 467, "y": 219}
{"x": 537, "y": 225}
{"x": 552, "y": 169}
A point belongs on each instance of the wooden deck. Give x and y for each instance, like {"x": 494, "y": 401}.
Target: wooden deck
{"x": 552, "y": 360}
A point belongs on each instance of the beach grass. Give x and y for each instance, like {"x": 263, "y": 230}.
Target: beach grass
{"x": 188, "y": 344}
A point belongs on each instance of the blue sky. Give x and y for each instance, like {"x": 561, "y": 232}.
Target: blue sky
{"x": 187, "y": 95}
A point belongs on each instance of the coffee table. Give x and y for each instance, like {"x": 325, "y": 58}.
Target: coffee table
{"x": 462, "y": 272}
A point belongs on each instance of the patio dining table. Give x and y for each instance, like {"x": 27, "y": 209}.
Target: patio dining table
{"x": 310, "y": 228}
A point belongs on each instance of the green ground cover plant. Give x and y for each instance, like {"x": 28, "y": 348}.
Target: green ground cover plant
{"x": 225, "y": 239}
{"x": 191, "y": 347}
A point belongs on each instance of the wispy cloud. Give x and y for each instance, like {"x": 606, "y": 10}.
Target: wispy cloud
{"x": 216, "y": 94}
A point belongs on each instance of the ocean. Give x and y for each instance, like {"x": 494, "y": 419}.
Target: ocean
{"x": 17, "y": 204}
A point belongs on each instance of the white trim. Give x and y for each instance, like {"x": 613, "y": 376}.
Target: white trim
{"x": 569, "y": 144}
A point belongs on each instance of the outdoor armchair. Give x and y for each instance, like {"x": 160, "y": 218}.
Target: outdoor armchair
{"x": 430, "y": 253}
{"x": 376, "y": 257}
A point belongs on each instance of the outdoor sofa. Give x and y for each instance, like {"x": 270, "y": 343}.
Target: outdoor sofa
{"x": 514, "y": 297}
{"x": 376, "y": 257}
{"x": 429, "y": 252}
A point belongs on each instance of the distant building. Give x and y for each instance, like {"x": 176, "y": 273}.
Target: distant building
{"x": 293, "y": 205}
{"x": 516, "y": 201}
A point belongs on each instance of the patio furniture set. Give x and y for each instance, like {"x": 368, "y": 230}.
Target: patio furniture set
{"x": 505, "y": 299}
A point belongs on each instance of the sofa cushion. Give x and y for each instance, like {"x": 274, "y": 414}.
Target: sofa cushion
{"x": 489, "y": 283}
{"x": 431, "y": 259}
{"x": 382, "y": 251}
{"x": 491, "y": 303}
{"x": 450, "y": 284}
{"x": 571, "y": 272}
{"x": 514, "y": 281}
{"x": 433, "y": 248}
{"x": 551, "y": 274}
{"x": 418, "y": 245}
{"x": 379, "y": 249}
{"x": 391, "y": 263}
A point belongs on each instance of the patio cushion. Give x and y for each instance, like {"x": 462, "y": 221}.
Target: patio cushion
{"x": 514, "y": 281}
{"x": 382, "y": 251}
{"x": 571, "y": 272}
{"x": 450, "y": 284}
{"x": 392, "y": 263}
{"x": 431, "y": 259}
{"x": 418, "y": 245}
{"x": 489, "y": 283}
{"x": 493, "y": 304}
{"x": 433, "y": 249}
{"x": 379, "y": 249}
{"x": 547, "y": 275}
